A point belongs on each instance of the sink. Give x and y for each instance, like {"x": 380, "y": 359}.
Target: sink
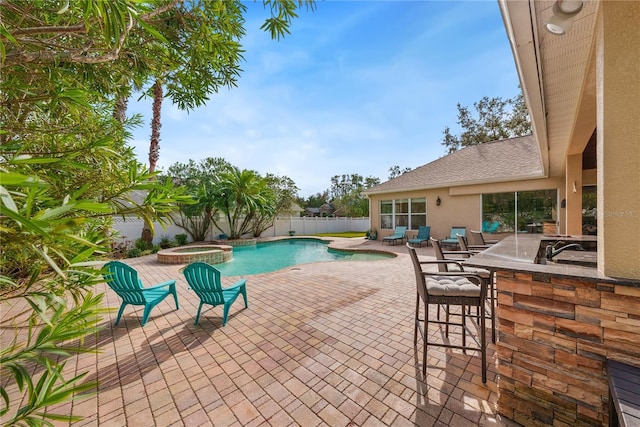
{"x": 582, "y": 258}
{"x": 586, "y": 258}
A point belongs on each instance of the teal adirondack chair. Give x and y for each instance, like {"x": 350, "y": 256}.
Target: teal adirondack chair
{"x": 400, "y": 233}
{"x": 424, "y": 232}
{"x": 124, "y": 281}
{"x": 204, "y": 280}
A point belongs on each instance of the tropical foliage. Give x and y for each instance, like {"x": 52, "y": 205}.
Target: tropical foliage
{"x": 284, "y": 193}
{"x": 203, "y": 55}
{"x": 197, "y": 178}
{"x": 247, "y": 202}
{"x": 66, "y": 168}
{"x": 240, "y": 196}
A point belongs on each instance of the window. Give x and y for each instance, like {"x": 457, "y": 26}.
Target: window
{"x": 524, "y": 211}
{"x": 411, "y": 213}
{"x": 386, "y": 214}
{"x": 418, "y": 216}
{"x": 402, "y": 213}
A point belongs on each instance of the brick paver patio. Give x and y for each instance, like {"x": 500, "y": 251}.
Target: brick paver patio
{"x": 323, "y": 344}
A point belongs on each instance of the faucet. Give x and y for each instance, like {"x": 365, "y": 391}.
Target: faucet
{"x": 551, "y": 251}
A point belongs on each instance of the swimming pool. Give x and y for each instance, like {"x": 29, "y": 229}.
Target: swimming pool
{"x": 272, "y": 256}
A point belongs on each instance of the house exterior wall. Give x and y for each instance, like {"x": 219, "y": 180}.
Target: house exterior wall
{"x": 459, "y": 206}
{"x": 502, "y": 187}
{"x": 556, "y": 331}
{"x": 618, "y": 144}
{"x": 589, "y": 177}
{"x": 453, "y": 210}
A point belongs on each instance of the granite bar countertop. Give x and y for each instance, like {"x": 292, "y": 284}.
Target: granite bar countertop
{"x": 519, "y": 252}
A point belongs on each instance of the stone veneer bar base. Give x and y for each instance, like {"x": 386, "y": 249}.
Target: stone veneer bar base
{"x": 555, "y": 334}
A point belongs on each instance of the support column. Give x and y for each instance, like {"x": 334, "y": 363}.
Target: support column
{"x": 618, "y": 111}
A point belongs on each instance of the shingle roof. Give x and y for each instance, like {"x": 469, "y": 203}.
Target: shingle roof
{"x": 511, "y": 159}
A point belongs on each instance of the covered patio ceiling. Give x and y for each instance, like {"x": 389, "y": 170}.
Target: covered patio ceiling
{"x": 557, "y": 74}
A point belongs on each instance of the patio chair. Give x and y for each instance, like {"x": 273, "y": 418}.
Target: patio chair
{"x": 124, "y": 281}
{"x": 448, "y": 289}
{"x": 452, "y": 240}
{"x": 490, "y": 226}
{"x": 442, "y": 255}
{"x": 478, "y": 239}
{"x": 400, "y": 233}
{"x": 424, "y": 232}
{"x": 466, "y": 247}
{"x": 486, "y": 275}
{"x": 204, "y": 280}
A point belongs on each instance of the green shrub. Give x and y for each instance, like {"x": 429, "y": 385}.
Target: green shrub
{"x": 166, "y": 242}
{"x": 156, "y": 248}
{"x": 134, "y": 253}
{"x": 142, "y": 245}
{"x": 181, "y": 239}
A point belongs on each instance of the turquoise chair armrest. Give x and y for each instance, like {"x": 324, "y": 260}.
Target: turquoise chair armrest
{"x": 162, "y": 285}
{"x": 238, "y": 284}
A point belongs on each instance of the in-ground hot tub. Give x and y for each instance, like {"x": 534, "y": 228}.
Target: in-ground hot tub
{"x": 211, "y": 254}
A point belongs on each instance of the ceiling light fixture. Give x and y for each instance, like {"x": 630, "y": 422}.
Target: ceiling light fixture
{"x": 563, "y": 13}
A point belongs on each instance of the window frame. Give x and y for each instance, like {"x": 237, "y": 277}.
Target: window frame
{"x": 412, "y": 220}
{"x": 516, "y": 214}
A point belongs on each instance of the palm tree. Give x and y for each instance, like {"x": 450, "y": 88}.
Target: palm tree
{"x": 240, "y": 196}
{"x": 154, "y": 145}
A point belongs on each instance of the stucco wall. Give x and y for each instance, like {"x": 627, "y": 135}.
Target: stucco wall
{"x": 618, "y": 146}
{"x": 458, "y": 210}
{"x": 460, "y": 206}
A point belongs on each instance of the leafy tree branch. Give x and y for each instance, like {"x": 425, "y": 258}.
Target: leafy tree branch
{"x": 494, "y": 119}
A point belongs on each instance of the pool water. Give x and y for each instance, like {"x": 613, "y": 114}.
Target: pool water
{"x": 272, "y": 256}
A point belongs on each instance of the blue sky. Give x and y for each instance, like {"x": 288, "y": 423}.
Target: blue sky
{"x": 357, "y": 87}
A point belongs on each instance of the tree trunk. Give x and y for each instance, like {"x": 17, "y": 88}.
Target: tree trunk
{"x": 120, "y": 108}
{"x": 154, "y": 146}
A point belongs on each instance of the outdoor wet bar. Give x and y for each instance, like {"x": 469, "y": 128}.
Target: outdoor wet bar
{"x": 559, "y": 322}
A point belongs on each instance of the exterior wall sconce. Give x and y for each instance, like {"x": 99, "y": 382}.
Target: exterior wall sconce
{"x": 438, "y": 201}
{"x": 563, "y": 13}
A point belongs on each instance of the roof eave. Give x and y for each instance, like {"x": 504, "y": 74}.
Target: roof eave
{"x": 455, "y": 184}
{"x": 520, "y": 24}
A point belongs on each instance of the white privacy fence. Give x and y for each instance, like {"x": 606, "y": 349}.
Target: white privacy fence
{"x": 315, "y": 225}
{"x": 131, "y": 228}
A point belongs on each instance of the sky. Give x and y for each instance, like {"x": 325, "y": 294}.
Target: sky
{"x": 356, "y": 88}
